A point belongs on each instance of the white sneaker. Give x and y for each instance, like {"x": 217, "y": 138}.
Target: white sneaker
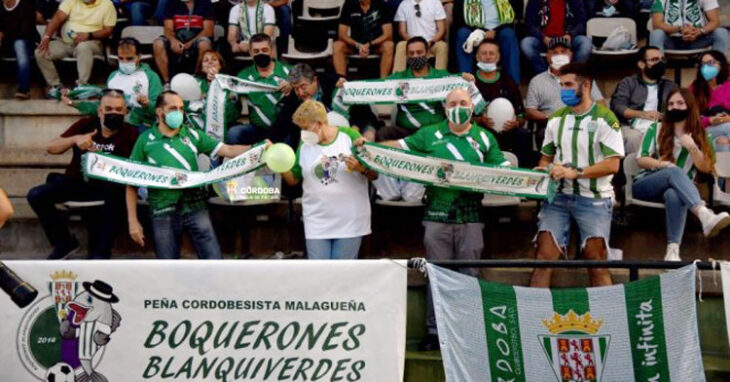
{"x": 713, "y": 223}
{"x": 672, "y": 252}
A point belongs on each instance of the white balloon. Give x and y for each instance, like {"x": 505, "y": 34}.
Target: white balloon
{"x": 186, "y": 85}
{"x": 500, "y": 110}
{"x": 337, "y": 119}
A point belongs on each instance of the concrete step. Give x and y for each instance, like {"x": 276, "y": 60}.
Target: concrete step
{"x": 32, "y": 157}
{"x": 23, "y": 179}
{"x": 32, "y": 123}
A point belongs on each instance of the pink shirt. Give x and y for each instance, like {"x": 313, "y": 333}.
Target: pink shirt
{"x": 719, "y": 96}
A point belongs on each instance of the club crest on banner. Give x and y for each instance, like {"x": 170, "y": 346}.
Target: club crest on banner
{"x": 62, "y": 336}
{"x": 574, "y": 349}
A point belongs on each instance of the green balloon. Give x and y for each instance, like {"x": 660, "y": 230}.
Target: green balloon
{"x": 279, "y": 157}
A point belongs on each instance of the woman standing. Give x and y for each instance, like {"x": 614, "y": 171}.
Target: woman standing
{"x": 711, "y": 88}
{"x": 19, "y": 35}
{"x": 671, "y": 154}
{"x": 335, "y": 201}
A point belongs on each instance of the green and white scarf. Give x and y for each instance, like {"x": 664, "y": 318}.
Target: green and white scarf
{"x": 474, "y": 13}
{"x": 680, "y": 12}
{"x": 124, "y": 171}
{"x": 244, "y": 22}
{"x": 215, "y": 106}
{"x": 453, "y": 174}
{"x": 413, "y": 90}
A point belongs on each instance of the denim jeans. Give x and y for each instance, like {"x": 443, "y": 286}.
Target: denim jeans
{"x": 138, "y": 11}
{"x": 23, "y": 53}
{"x": 283, "y": 21}
{"x": 333, "y": 249}
{"x": 532, "y": 47}
{"x": 676, "y": 190}
{"x": 102, "y": 221}
{"x": 721, "y": 130}
{"x": 167, "y": 231}
{"x": 718, "y": 39}
{"x": 507, "y": 46}
{"x": 593, "y": 217}
{"x": 160, "y": 10}
{"x": 247, "y": 134}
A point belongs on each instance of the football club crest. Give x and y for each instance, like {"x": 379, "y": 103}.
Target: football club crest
{"x": 575, "y": 350}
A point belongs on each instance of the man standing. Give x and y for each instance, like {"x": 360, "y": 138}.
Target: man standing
{"x": 81, "y": 24}
{"x": 452, "y": 218}
{"x": 426, "y": 19}
{"x": 687, "y": 24}
{"x": 639, "y": 99}
{"x": 583, "y": 143}
{"x": 365, "y": 28}
{"x": 106, "y": 133}
{"x": 173, "y": 144}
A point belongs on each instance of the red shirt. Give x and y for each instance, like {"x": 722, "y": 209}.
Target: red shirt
{"x": 556, "y": 23}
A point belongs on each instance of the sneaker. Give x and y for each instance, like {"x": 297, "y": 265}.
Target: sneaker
{"x": 22, "y": 95}
{"x": 429, "y": 343}
{"x": 54, "y": 92}
{"x": 63, "y": 252}
{"x": 713, "y": 223}
{"x": 672, "y": 252}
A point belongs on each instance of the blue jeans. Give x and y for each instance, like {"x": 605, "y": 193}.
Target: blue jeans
{"x": 593, "y": 217}
{"x": 138, "y": 11}
{"x": 247, "y": 134}
{"x": 333, "y": 249}
{"x": 283, "y": 21}
{"x": 721, "y": 130}
{"x": 507, "y": 46}
{"x": 160, "y": 10}
{"x": 672, "y": 187}
{"x": 532, "y": 47}
{"x": 23, "y": 53}
{"x": 718, "y": 39}
{"x": 167, "y": 231}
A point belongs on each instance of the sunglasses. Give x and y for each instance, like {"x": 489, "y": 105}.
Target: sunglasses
{"x": 418, "y": 10}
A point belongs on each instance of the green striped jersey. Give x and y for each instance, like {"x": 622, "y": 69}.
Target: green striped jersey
{"x": 582, "y": 140}
{"x": 650, "y": 148}
{"x": 263, "y": 105}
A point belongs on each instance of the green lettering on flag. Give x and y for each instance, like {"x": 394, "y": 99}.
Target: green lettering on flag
{"x": 501, "y": 322}
{"x": 646, "y": 329}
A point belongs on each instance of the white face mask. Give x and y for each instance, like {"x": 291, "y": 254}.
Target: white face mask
{"x": 559, "y": 60}
{"x": 127, "y": 67}
{"x": 487, "y": 66}
{"x": 309, "y": 137}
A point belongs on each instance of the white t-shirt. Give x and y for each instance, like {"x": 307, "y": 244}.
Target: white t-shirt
{"x": 652, "y": 98}
{"x": 335, "y": 203}
{"x": 130, "y": 84}
{"x": 424, "y": 26}
{"x": 234, "y": 17}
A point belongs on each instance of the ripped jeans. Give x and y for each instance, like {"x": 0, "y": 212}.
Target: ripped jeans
{"x": 593, "y": 217}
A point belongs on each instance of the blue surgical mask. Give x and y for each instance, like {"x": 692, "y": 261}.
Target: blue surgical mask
{"x": 487, "y": 66}
{"x": 127, "y": 67}
{"x": 569, "y": 97}
{"x": 174, "y": 119}
{"x": 709, "y": 72}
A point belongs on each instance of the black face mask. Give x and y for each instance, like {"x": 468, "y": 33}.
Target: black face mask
{"x": 113, "y": 121}
{"x": 677, "y": 115}
{"x": 262, "y": 60}
{"x": 656, "y": 72}
{"x": 417, "y": 63}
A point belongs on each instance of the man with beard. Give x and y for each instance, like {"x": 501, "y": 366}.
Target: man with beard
{"x": 640, "y": 98}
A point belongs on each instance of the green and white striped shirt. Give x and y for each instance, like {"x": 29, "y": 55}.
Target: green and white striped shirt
{"x": 582, "y": 141}
{"x": 650, "y": 148}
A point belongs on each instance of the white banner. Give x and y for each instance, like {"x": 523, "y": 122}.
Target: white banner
{"x": 725, "y": 267}
{"x": 131, "y": 321}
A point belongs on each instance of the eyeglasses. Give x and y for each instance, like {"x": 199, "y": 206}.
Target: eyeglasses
{"x": 418, "y": 10}
{"x": 711, "y": 62}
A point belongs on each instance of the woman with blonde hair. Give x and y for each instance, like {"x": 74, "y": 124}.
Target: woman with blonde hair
{"x": 671, "y": 154}
{"x": 335, "y": 200}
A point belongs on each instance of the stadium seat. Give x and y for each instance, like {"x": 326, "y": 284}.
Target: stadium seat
{"x": 631, "y": 169}
{"x": 603, "y": 26}
{"x": 315, "y": 10}
{"x": 722, "y": 171}
{"x": 491, "y": 200}
{"x": 146, "y": 35}
{"x": 679, "y": 58}
{"x": 296, "y": 55}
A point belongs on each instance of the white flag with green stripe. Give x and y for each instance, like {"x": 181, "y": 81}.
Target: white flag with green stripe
{"x": 640, "y": 331}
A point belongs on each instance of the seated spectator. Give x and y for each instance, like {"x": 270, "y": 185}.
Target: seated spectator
{"x": 543, "y": 92}
{"x": 452, "y": 221}
{"x": 495, "y": 18}
{"x": 320, "y": 87}
{"x": 188, "y": 32}
{"x": 364, "y": 28}
{"x": 105, "y": 133}
{"x": 262, "y": 106}
{"x": 585, "y": 194}
{"x": 421, "y": 18}
{"x": 138, "y": 11}
{"x": 82, "y": 24}
{"x": 711, "y": 89}
{"x": 609, "y": 8}
{"x": 639, "y": 99}
{"x": 493, "y": 84}
{"x": 258, "y": 18}
{"x": 671, "y": 155}
{"x": 283, "y": 13}
{"x": 175, "y": 210}
{"x": 210, "y": 63}
{"x": 335, "y": 199}
{"x": 137, "y": 80}
{"x": 548, "y": 19}
{"x": 687, "y": 24}
{"x": 19, "y": 36}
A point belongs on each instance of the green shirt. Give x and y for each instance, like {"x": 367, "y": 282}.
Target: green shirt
{"x": 415, "y": 115}
{"x": 180, "y": 151}
{"x": 680, "y": 155}
{"x": 263, "y": 105}
{"x": 476, "y": 146}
